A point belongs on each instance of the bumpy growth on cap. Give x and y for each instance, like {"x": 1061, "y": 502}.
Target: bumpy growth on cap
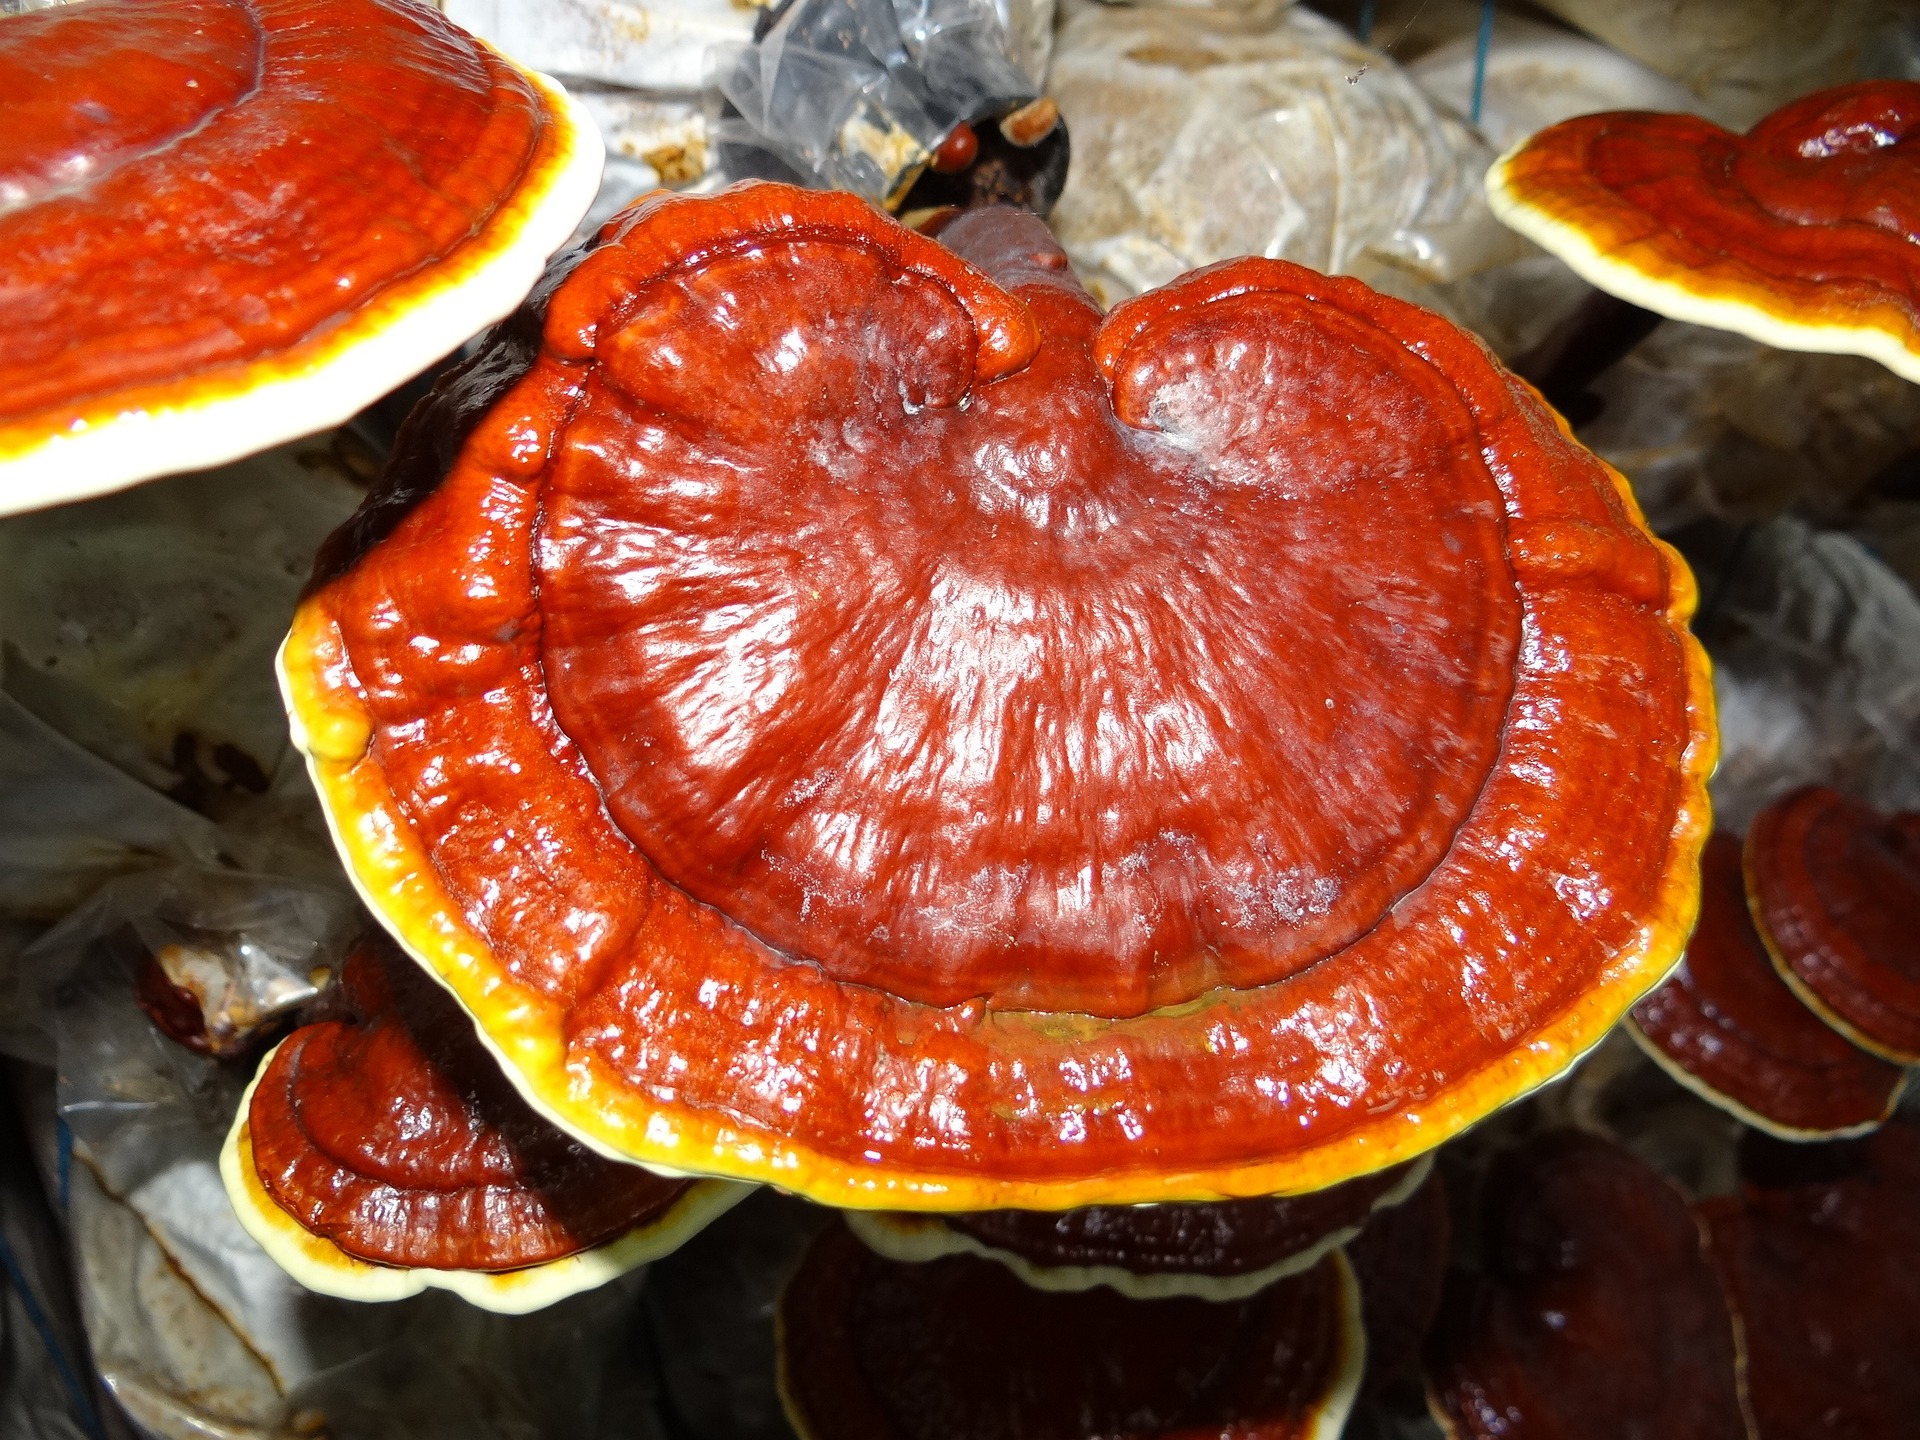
{"x": 1803, "y": 233}
{"x": 840, "y": 711}
{"x": 382, "y": 1153}
{"x": 230, "y": 223}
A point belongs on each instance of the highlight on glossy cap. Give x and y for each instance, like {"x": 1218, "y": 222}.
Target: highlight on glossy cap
{"x": 850, "y": 715}
{"x": 874, "y": 1349}
{"x": 1224, "y": 1250}
{"x": 1833, "y": 886}
{"x": 1730, "y": 1029}
{"x": 230, "y": 223}
{"x": 381, "y": 1154}
{"x": 1804, "y": 233}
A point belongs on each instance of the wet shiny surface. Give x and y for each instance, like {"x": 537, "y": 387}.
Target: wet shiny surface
{"x": 1233, "y": 1237}
{"x": 1728, "y": 1020}
{"x": 189, "y": 187}
{"x": 958, "y": 1349}
{"x": 1812, "y": 216}
{"x": 1596, "y": 1312}
{"x": 681, "y": 610}
{"x": 1835, "y": 888}
{"x": 1824, "y": 1271}
{"x": 395, "y": 1136}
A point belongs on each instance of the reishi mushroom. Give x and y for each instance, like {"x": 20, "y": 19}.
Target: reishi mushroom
{"x": 1804, "y": 233}
{"x": 1820, "y": 1256}
{"x": 1595, "y": 1311}
{"x": 838, "y": 710}
{"x": 1728, "y": 1028}
{"x": 1834, "y": 887}
{"x": 377, "y": 1155}
{"x": 960, "y": 1349}
{"x": 1220, "y": 1251}
{"x": 230, "y": 223}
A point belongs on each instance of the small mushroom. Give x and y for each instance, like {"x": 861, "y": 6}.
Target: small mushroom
{"x": 375, "y": 1156}
{"x": 1220, "y": 1251}
{"x": 1595, "y": 1311}
{"x": 1834, "y": 887}
{"x": 959, "y": 1349}
{"x": 229, "y": 223}
{"x": 1804, "y": 233}
{"x": 839, "y": 710}
{"x": 1726, "y": 1026}
{"x": 1822, "y": 1267}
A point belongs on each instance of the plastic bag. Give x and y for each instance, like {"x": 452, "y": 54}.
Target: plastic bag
{"x": 1202, "y": 134}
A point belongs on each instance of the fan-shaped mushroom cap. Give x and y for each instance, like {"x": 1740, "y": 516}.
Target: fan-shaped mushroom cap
{"x": 1834, "y": 887}
{"x": 232, "y": 222}
{"x": 845, "y": 714}
{"x": 1595, "y": 1311}
{"x": 1803, "y": 233}
{"x": 1218, "y": 1251}
{"x": 959, "y": 1349}
{"x": 377, "y": 1156}
{"x": 1824, "y": 1274}
{"x": 1726, "y": 1026}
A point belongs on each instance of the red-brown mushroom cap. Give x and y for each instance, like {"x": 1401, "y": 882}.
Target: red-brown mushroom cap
{"x": 1803, "y": 233}
{"x": 229, "y": 223}
{"x": 1824, "y": 1275}
{"x": 376, "y": 1155}
{"x": 1221, "y": 1250}
{"x": 854, "y": 717}
{"x": 1727, "y": 1027}
{"x": 959, "y": 1349}
{"x": 1834, "y": 887}
{"x": 1595, "y": 1313}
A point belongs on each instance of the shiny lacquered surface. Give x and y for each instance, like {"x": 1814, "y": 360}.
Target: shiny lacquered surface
{"x": 896, "y": 732}
{"x": 1595, "y": 1312}
{"x": 395, "y": 1136}
{"x": 1739, "y": 1034}
{"x": 1834, "y": 887}
{"x": 958, "y": 1349}
{"x": 1824, "y": 1272}
{"x": 1804, "y": 232}
{"x": 201, "y": 197}
{"x": 1231, "y": 1237}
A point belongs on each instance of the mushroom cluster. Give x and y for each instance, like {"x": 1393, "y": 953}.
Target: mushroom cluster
{"x": 1795, "y": 1005}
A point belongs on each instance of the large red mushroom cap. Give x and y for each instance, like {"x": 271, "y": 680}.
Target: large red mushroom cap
{"x": 229, "y": 223}
{"x": 1834, "y": 887}
{"x": 1823, "y": 1269}
{"x": 378, "y": 1155}
{"x": 1728, "y": 1028}
{"x": 1221, "y": 1251}
{"x": 839, "y": 710}
{"x": 959, "y": 1349}
{"x": 1595, "y": 1312}
{"x": 1803, "y": 233}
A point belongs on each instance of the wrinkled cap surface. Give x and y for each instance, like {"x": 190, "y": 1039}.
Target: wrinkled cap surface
{"x": 232, "y": 222}
{"x": 897, "y": 730}
{"x": 1803, "y": 233}
{"x": 1595, "y": 1311}
{"x": 391, "y": 1136}
{"x": 958, "y": 1349}
{"x": 1734, "y": 1032}
{"x": 1833, "y": 886}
